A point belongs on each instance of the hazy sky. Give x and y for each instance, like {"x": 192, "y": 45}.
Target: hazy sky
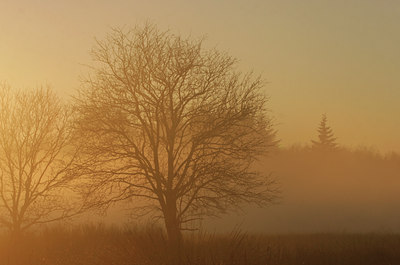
{"x": 337, "y": 57}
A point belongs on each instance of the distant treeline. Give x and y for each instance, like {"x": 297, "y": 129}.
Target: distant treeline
{"x": 339, "y": 190}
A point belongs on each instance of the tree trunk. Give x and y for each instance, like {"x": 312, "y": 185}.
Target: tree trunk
{"x": 174, "y": 234}
{"x": 173, "y": 230}
{"x": 14, "y": 245}
{"x": 16, "y": 229}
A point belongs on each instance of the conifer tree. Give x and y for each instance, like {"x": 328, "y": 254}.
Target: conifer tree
{"x": 326, "y": 139}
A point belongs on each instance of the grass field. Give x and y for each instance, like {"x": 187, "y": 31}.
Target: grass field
{"x": 97, "y": 244}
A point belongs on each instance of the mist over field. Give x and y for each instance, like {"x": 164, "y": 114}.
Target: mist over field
{"x": 345, "y": 191}
{"x": 209, "y": 133}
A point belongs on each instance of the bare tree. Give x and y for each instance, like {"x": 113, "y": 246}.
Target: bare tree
{"x": 34, "y": 158}
{"x": 163, "y": 119}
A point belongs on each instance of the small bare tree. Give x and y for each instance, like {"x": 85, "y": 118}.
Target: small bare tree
{"x": 163, "y": 119}
{"x": 34, "y": 158}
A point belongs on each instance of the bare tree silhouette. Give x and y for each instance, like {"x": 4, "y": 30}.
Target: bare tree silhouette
{"x": 34, "y": 158}
{"x": 163, "y": 119}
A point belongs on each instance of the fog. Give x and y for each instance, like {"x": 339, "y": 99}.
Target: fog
{"x": 182, "y": 132}
{"x": 343, "y": 191}
{"x": 337, "y": 57}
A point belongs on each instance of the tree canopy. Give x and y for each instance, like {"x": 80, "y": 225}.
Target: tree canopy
{"x": 164, "y": 119}
{"x": 35, "y": 156}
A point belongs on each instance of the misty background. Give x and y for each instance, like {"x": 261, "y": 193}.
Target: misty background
{"x": 339, "y": 58}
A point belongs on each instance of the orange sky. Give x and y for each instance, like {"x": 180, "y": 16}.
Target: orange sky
{"x": 337, "y": 57}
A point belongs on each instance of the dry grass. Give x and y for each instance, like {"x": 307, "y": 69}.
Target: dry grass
{"x": 96, "y": 244}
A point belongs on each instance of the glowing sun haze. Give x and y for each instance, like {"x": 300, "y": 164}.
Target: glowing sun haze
{"x": 340, "y": 57}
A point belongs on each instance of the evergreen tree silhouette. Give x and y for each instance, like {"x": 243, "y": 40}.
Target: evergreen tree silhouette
{"x": 326, "y": 139}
